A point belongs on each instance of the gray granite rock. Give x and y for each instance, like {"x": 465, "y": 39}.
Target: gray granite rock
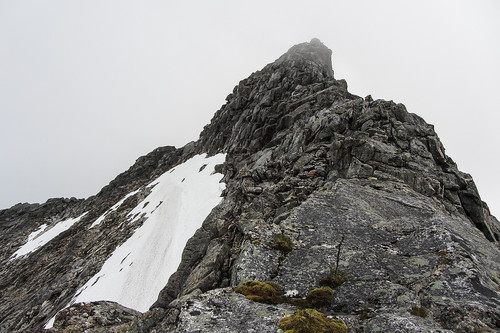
{"x": 401, "y": 249}
{"x": 93, "y": 317}
{"x": 222, "y": 310}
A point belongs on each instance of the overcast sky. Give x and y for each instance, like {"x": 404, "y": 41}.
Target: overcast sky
{"x": 86, "y": 87}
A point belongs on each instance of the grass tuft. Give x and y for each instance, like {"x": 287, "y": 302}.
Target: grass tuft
{"x": 310, "y": 320}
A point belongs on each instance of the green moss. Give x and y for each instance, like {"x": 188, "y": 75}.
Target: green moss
{"x": 445, "y": 261}
{"x": 419, "y": 311}
{"x": 320, "y": 296}
{"x": 265, "y": 292}
{"x": 333, "y": 280}
{"x": 256, "y": 242}
{"x": 282, "y": 243}
{"x": 364, "y": 314}
{"x": 300, "y": 302}
{"x": 443, "y": 258}
{"x": 310, "y": 320}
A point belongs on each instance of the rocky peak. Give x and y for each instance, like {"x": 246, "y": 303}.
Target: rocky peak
{"x": 310, "y": 161}
{"x": 314, "y": 54}
{"x": 259, "y": 107}
{"x": 295, "y": 105}
{"x": 316, "y": 178}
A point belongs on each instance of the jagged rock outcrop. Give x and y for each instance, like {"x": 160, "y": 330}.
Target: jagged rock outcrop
{"x": 94, "y": 315}
{"x": 308, "y": 160}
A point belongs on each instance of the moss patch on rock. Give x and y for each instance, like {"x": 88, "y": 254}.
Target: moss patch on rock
{"x": 265, "y": 292}
{"x": 364, "y": 313}
{"x": 282, "y": 243}
{"x": 320, "y": 296}
{"x": 333, "y": 280}
{"x": 315, "y": 298}
{"x": 310, "y": 320}
{"x": 419, "y": 311}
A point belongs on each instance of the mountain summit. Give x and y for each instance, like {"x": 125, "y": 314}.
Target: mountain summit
{"x": 300, "y": 204}
{"x": 259, "y": 106}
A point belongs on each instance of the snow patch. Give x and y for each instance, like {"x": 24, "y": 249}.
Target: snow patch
{"x": 42, "y": 236}
{"x": 37, "y": 232}
{"x": 179, "y": 202}
{"x": 115, "y": 207}
{"x": 50, "y": 323}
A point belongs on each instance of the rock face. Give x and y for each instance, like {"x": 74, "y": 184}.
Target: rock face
{"x": 356, "y": 185}
{"x": 85, "y": 316}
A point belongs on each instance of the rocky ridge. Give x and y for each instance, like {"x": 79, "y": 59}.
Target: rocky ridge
{"x": 305, "y": 159}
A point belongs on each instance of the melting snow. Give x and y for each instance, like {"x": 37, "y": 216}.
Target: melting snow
{"x": 115, "y": 207}
{"x": 50, "y": 323}
{"x": 176, "y": 207}
{"x": 41, "y": 236}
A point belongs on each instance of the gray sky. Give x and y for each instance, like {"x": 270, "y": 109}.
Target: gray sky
{"x": 86, "y": 87}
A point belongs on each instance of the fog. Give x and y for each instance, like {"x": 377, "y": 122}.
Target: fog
{"x": 86, "y": 87}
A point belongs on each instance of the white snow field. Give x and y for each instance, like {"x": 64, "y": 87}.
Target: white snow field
{"x": 42, "y": 236}
{"x": 179, "y": 202}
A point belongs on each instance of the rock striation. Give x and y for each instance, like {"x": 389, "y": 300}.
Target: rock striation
{"x": 353, "y": 185}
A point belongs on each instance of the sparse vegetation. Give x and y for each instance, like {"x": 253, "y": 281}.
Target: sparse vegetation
{"x": 333, "y": 280}
{"x": 306, "y": 319}
{"x": 338, "y": 255}
{"x": 443, "y": 257}
{"x": 320, "y": 296}
{"x": 310, "y": 320}
{"x": 282, "y": 243}
{"x": 271, "y": 293}
{"x": 265, "y": 292}
{"x": 300, "y": 302}
{"x": 256, "y": 242}
{"x": 419, "y": 311}
{"x": 315, "y": 298}
{"x": 364, "y": 314}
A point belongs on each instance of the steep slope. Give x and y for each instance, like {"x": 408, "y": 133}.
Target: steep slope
{"x": 36, "y": 285}
{"x": 176, "y": 207}
{"x": 350, "y": 184}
